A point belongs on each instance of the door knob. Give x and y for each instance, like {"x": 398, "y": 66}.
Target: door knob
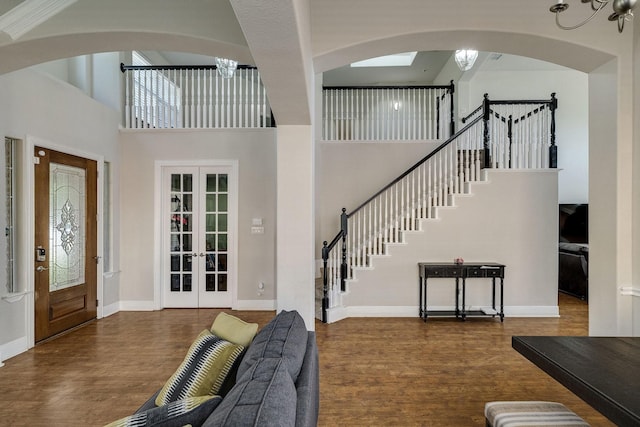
{"x": 40, "y": 268}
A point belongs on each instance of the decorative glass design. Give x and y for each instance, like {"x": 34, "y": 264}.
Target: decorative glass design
{"x": 67, "y": 218}
{"x": 216, "y": 233}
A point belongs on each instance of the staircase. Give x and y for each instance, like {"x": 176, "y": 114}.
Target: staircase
{"x": 437, "y": 186}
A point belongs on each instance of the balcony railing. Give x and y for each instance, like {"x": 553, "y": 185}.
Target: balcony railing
{"x": 194, "y": 97}
{"x": 377, "y": 113}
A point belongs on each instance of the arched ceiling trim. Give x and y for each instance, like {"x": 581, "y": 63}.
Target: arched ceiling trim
{"x": 571, "y": 55}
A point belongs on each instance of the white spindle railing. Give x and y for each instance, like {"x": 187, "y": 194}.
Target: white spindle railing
{"x": 387, "y": 113}
{"x": 502, "y": 134}
{"x": 194, "y": 97}
{"x": 400, "y": 206}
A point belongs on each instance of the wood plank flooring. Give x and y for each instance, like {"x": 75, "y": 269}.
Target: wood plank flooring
{"x": 374, "y": 371}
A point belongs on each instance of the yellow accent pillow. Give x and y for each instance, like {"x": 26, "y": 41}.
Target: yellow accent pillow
{"x": 233, "y": 329}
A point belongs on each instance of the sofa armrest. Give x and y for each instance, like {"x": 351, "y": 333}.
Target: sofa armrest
{"x": 308, "y": 386}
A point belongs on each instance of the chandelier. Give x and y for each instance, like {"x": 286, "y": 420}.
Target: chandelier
{"x": 465, "y": 58}
{"x": 226, "y": 67}
{"x": 622, "y": 11}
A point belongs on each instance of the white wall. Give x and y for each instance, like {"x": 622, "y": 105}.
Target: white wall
{"x": 254, "y": 149}
{"x": 33, "y": 104}
{"x": 572, "y": 117}
{"x": 519, "y": 230}
{"x": 350, "y": 172}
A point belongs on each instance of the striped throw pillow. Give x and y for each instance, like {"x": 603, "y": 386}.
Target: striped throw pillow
{"x": 203, "y": 370}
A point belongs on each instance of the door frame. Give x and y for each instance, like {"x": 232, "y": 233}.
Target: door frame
{"x": 158, "y": 221}
{"x": 28, "y": 227}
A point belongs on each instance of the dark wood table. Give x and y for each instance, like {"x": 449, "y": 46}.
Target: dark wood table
{"x": 464, "y": 271}
{"x": 602, "y": 371}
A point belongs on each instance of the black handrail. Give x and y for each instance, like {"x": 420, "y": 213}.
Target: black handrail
{"x": 124, "y": 68}
{"x": 467, "y": 117}
{"x": 415, "y": 166}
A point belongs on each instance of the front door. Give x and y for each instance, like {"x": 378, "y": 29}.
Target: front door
{"x": 65, "y": 242}
{"x": 197, "y": 222}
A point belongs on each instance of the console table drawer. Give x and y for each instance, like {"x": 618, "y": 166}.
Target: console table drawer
{"x": 474, "y": 272}
{"x": 494, "y": 272}
{"x": 443, "y": 271}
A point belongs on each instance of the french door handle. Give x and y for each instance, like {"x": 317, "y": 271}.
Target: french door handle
{"x": 201, "y": 253}
{"x": 194, "y": 255}
{"x": 40, "y": 268}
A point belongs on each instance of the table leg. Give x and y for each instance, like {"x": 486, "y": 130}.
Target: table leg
{"x": 464, "y": 291}
{"x": 502, "y": 299}
{"x": 457, "y": 296}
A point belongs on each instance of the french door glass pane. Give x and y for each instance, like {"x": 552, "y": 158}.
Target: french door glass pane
{"x": 67, "y": 213}
{"x": 181, "y": 229}
{"x": 216, "y": 201}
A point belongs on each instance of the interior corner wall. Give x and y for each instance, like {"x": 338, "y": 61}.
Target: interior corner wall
{"x": 603, "y": 195}
{"x": 572, "y": 117}
{"x": 37, "y": 105}
{"x": 255, "y": 151}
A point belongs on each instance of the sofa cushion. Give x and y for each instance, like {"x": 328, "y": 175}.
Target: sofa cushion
{"x": 284, "y": 336}
{"x": 234, "y": 330}
{"x": 193, "y": 411}
{"x": 264, "y": 395}
{"x": 203, "y": 369}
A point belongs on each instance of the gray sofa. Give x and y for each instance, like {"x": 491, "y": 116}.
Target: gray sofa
{"x": 276, "y": 382}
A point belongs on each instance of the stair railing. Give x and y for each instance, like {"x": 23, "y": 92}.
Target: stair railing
{"x": 399, "y": 206}
{"x": 491, "y": 140}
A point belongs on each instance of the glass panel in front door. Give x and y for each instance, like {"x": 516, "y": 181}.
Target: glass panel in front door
{"x": 67, "y": 213}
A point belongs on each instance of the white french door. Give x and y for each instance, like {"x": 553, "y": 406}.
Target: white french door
{"x": 198, "y": 235}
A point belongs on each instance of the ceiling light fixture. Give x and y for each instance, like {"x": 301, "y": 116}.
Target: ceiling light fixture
{"x": 465, "y": 58}
{"x": 622, "y": 11}
{"x": 29, "y": 14}
{"x": 226, "y": 67}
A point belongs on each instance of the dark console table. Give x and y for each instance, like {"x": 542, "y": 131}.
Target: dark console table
{"x": 603, "y": 371}
{"x": 464, "y": 271}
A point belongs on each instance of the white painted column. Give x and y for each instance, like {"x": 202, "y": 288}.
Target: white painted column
{"x": 296, "y": 222}
{"x": 610, "y": 203}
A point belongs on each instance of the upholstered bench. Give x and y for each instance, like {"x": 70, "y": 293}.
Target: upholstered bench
{"x": 529, "y": 414}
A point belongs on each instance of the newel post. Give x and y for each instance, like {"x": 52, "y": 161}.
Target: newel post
{"x": 325, "y": 284}
{"x": 486, "y": 116}
{"x": 451, "y": 113}
{"x": 343, "y": 265}
{"x": 553, "y": 149}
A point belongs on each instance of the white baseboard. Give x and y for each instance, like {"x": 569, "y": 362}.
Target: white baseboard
{"x": 13, "y": 348}
{"x": 137, "y": 306}
{"x": 110, "y": 309}
{"x": 338, "y": 313}
{"x": 256, "y": 304}
{"x": 532, "y": 311}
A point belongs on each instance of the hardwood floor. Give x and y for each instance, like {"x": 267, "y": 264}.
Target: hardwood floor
{"x": 374, "y": 371}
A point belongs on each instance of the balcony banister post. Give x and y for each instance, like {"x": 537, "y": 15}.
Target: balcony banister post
{"x": 452, "y": 114}
{"x": 553, "y": 149}
{"x": 486, "y": 116}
